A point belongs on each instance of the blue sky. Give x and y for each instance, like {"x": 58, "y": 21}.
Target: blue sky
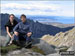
{"x": 42, "y": 8}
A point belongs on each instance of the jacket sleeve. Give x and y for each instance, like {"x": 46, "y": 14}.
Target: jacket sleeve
{"x": 6, "y": 25}
{"x": 16, "y": 27}
{"x": 30, "y": 28}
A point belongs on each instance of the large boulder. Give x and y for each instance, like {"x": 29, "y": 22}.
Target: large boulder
{"x": 47, "y": 48}
{"x": 23, "y": 52}
{"x": 2, "y": 40}
{"x": 55, "y": 54}
{"x": 72, "y": 48}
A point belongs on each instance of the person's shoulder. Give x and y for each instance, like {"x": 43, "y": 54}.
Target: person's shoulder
{"x": 27, "y": 22}
{"x": 7, "y": 23}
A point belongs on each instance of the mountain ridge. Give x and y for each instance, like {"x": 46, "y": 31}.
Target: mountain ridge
{"x": 38, "y": 28}
{"x": 61, "y": 39}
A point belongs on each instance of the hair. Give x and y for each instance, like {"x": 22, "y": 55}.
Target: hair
{"x": 23, "y": 16}
{"x": 11, "y": 15}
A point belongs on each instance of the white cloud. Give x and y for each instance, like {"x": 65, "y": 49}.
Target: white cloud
{"x": 34, "y": 8}
{"x": 38, "y": 6}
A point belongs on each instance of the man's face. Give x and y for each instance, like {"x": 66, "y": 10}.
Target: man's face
{"x": 23, "y": 19}
{"x": 11, "y": 18}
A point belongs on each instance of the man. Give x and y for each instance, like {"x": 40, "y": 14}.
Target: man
{"x": 23, "y": 29}
{"x": 9, "y": 29}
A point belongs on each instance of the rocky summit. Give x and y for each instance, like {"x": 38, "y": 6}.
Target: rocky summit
{"x": 61, "y": 39}
{"x": 43, "y": 49}
{"x": 50, "y": 45}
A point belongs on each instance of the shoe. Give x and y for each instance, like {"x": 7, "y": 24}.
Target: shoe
{"x": 10, "y": 43}
{"x": 18, "y": 43}
{"x": 28, "y": 43}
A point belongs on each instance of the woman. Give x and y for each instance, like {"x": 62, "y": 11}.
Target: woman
{"x": 9, "y": 29}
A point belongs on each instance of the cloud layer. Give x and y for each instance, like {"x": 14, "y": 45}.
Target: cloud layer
{"x": 49, "y": 8}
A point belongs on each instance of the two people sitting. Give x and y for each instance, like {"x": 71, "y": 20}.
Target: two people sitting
{"x": 16, "y": 30}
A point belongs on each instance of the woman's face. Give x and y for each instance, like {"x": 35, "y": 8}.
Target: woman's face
{"x": 11, "y": 18}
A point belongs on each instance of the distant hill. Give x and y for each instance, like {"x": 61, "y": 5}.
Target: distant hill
{"x": 61, "y": 39}
{"x": 61, "y": 25}
{"x": 38, "y": 28}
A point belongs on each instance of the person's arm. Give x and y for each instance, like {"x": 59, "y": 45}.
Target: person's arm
{"x": 16, "y": 27}
{"x": 7, "y": 30}
{"x": 30, "y": 31}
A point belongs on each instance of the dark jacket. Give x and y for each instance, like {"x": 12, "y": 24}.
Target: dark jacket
{"x": 23, "y": 27}
{"x": 8, "y": 24}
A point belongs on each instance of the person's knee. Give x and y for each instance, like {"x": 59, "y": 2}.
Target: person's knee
{"x": 16, "y": 33}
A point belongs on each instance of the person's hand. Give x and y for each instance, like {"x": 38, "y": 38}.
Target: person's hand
{"x": 11, "y": 36}
{"x": 16, "y": 33}
{"x": 29, "y": 34}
